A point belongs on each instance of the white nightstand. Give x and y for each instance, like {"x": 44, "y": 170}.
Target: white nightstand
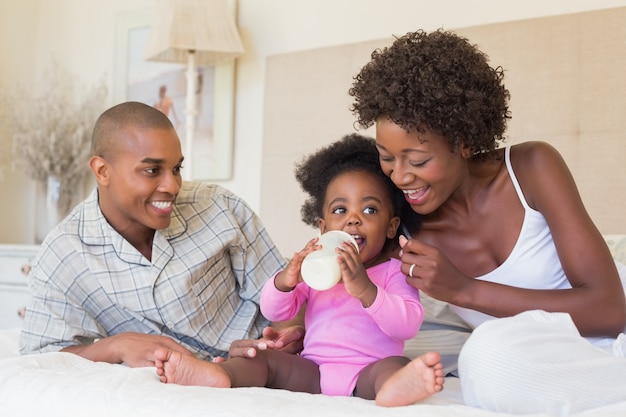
{"x": 15, "y": 262}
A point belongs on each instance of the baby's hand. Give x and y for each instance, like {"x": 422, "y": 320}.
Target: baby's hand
{"x": 287, "y": 280}
{"x": 354, "y": 275}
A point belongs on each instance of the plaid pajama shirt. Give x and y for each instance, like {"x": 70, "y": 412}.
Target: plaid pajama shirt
{"x": 201, "y": 288}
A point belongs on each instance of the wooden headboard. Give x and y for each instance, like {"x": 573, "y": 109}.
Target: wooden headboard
{"x": 566, "y": 75}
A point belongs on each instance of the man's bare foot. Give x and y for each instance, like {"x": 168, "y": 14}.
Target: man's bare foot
{"x": 417, "y": 380}
{"x": 176, "y": 368}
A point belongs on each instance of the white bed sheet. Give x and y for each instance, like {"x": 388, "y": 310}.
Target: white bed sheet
{"x": 62, "y": 384}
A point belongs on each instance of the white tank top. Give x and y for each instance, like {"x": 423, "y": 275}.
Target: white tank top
{"x": 533, "y": 263}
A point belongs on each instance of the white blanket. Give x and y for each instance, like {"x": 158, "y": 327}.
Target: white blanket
{"x": 65, "y": 385}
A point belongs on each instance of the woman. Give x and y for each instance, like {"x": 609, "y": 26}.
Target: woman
{"x": 504, "y": 231}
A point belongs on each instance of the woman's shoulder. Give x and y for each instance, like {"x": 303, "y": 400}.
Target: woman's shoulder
{"x": 530, "y": 160}
{"x": 533, "y": 153}
{"x": 541, "y": 172}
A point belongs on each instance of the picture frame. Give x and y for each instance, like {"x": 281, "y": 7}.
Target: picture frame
{"x": 136, "y": 79}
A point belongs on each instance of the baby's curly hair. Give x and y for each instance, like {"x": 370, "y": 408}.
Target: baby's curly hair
{"x": 437, "y": 81}
{"x": 354, "y": 152}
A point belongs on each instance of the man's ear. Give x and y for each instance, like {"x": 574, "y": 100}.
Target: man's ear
{"x": 100, "y": 168}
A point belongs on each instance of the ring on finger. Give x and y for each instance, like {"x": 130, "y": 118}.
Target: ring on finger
{"x": 411, "y": 270}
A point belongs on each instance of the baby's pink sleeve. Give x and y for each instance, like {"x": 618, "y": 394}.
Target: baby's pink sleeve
{"x": 277, "y": 305}
{"x": 397, "y": 309}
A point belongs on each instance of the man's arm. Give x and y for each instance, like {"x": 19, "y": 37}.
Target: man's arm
{"x": 132, "y": 349}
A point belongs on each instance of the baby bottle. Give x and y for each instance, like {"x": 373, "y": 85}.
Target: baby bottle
{"x": 320, "y": 269}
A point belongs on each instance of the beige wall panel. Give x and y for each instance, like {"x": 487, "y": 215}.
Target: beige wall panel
{"x": 602, "y": 179}
{"x": 601, "y": 170}
{"x": 540, "y": 58}
{"x": 603, "y": 67}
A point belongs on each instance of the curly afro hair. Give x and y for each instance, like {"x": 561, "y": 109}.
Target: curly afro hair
{"x": 353, "y": 152}
{"x": 437, "y": 81}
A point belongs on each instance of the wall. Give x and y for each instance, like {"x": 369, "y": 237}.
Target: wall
{"x": 80, "y": 34}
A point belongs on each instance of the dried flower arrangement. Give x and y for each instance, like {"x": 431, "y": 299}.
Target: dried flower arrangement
{"x": 52, "y": 132}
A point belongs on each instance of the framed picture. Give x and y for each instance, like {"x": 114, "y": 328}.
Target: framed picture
{"x": 163, "y": 85}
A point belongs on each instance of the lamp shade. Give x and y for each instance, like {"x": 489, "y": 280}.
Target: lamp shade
{"x": 206, "y": 27}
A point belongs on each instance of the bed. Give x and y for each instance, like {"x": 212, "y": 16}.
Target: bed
{"x": 65, "y": 385}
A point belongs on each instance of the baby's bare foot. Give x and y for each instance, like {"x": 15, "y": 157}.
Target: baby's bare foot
{"x": 417, "y": 380}
{"x": 176, "y": 368}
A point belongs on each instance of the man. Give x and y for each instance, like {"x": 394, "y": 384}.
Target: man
{"x": 147, "y": 261}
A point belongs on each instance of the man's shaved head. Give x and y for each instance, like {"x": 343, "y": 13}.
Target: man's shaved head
{"x": 110, "y": 125}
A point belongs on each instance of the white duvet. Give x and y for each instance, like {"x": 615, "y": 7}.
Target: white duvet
{"x": 65, "y": 385}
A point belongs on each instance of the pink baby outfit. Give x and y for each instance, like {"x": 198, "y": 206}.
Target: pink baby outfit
{"x": 342, "y": 337}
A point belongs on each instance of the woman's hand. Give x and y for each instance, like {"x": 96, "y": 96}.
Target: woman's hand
{"x": 287, "y": 339}
{"x": 430, "y": 271}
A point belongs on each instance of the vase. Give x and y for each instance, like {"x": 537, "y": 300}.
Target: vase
{"x": 50, "y": 206}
